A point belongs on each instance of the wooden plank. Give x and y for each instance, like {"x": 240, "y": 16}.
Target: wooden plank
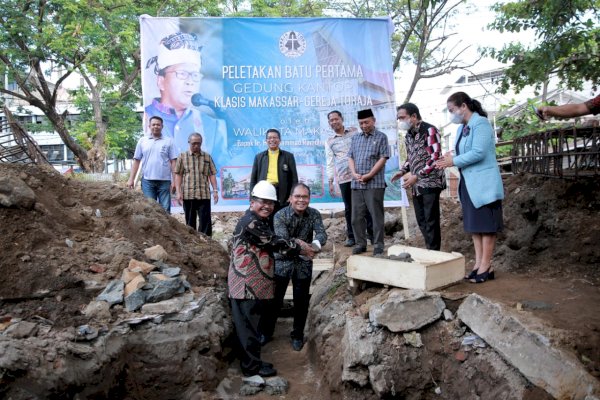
{"x": 429, "y": 270}
{"x": 322, "y": 264}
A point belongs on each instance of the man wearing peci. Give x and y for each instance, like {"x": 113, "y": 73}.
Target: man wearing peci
{"x": 336, "y": 150}
{"x": 368, "y": 154}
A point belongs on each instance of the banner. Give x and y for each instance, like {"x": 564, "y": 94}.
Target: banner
{"x": 241, "y": 76}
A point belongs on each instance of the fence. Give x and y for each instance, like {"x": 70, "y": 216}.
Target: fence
{"x": 562, "y": 153}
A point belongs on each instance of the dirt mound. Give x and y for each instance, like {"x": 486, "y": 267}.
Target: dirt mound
{"x": 56, "y": 257}
{"x": 551, "y": 228}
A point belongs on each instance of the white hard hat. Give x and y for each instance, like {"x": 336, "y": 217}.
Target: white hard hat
{"x": 264, "y": 190}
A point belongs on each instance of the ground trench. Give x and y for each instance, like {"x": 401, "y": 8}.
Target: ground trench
{"x": 193, "y": 359}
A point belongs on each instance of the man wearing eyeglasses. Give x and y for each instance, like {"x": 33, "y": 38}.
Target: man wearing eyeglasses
{"x": 302, "y": 224}
{"x": 178, "y": 77}
{"x": 194, "y": 171}
{"x": 423, "y": 148}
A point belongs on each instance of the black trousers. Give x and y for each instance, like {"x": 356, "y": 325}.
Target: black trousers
{"x": 427, "y": 211}
{"x": 198, "y": 209}
{"x": 246, "y": 317}
{"x": 301, "y": 288}
{"x": 347, "y": 198}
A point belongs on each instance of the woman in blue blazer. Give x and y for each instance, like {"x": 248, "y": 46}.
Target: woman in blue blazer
{"x": 480, "y": 189}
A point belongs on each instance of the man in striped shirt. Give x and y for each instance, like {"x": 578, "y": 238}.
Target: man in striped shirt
{"x": 193, "y": 172}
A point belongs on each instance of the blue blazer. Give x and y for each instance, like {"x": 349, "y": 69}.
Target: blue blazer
{"x": 477, "y": 162}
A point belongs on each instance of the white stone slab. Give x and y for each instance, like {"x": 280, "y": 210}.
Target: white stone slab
{"x": 429, "y": 270}
{"x": 525, "y": 345}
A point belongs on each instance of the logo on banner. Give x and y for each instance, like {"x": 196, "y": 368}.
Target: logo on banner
{"x": 292, "y": 44}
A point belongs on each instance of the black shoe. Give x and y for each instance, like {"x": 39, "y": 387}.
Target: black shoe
{"x": 264, "y": 371}
{"x": 358, "y": 250}
{"x": 484, "y": 276}
{"x": 267, "y": 364}
{"x": 471, "y": 275}
{"x": 297, "y": 344}
{"x": 264, "y": 339}
{"x": 349, "y": 243}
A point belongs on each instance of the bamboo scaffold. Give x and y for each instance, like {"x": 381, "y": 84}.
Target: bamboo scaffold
{"x": 562, "y": 153}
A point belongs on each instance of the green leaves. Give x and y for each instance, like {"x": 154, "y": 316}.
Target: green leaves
{"x": 568, "y": 38}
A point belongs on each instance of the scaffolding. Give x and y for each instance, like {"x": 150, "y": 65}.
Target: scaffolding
{"x": 561, "y": 153}
{"x": 16, "y": 146}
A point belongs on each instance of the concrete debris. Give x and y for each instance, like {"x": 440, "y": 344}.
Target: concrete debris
{"x": 22, "y": 329}
{"x": 97, "y": 268}
{"x": 113, "y": 293}
{"x": 97, "y": 309}
{"x": 135, "y": 300}
{"x": 156, "y": 253}
{"x": 14, "y": 193}
{"x": 413, "y": 339}
{"x": 405, "y": 257}
{"x": 140, "y": 266}
{"x": 86, "y": 332}
{"x": 169, "y": 306}
{"x": 448, "y": 316}
{"x": 276, "y": 386}
{"x": 525, "y": 345}
{"x": 254, "y": 380}
{"x": 248, "y": 390}
{"x": 407, "y": 310}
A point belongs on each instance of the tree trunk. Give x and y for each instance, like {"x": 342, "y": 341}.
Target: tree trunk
{"x": 58, "y": 121}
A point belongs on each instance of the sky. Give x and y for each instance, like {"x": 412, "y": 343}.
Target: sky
{"x": 471, "y": 30}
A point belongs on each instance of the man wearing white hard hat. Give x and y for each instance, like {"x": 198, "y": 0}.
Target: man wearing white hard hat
{"x": 177, "y": 67}
{"x": 250, "y": 277}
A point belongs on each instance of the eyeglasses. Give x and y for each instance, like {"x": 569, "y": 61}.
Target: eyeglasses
{"x": 195, "y": 143}
{"x": 272, "y": 138}
{"x": 184, "y": 75}
{"x": 300, "y": 197}
{"x": 265, "y": 202}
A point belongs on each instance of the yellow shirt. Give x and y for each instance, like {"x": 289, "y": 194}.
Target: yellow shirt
{"x": 272, "y": 170}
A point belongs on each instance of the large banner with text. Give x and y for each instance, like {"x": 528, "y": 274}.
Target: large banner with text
{"x": 232, "y": 79}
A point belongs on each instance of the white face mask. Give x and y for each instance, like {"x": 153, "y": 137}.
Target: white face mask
{"x": 456, "y": 118}
{"x": 404, "y": 125}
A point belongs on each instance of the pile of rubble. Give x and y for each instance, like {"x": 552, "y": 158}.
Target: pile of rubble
{"x": 140, "y": 283}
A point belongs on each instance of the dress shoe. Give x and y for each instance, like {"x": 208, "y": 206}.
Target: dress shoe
{"x": 264, "y": 339}
{"x": 358, "y": 250}
{"x": 377, "y": 251}
{"x": 266, "y": 364}
{"x": 349, "y": 243}
{"x": 264, "y": 371}
{"x": 297, "y": 344}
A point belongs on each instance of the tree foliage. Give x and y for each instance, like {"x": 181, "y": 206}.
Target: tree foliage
{"x": 422, "y": 33}
{"x": 45, "y": 43}
{"x": 567, "y": 42}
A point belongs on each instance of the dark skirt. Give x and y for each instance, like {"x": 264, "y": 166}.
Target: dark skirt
{"x": 485, "y": 219}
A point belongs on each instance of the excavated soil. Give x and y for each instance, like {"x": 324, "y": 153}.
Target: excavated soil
{"x": 57, "y": 257}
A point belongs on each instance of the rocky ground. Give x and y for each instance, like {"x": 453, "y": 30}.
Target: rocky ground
{"x": 62, "y": 242}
